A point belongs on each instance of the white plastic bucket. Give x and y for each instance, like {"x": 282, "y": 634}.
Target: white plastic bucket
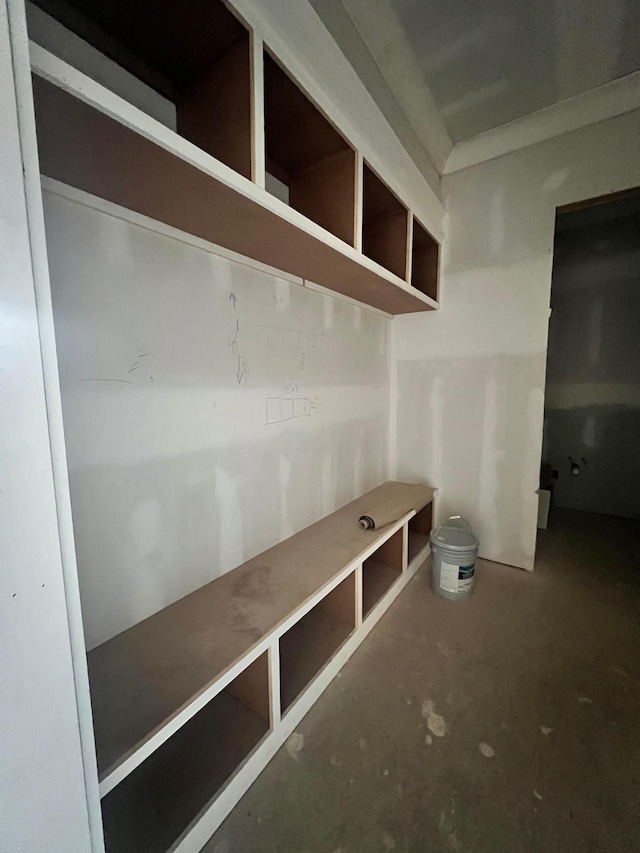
{"x": 455, "y": 549}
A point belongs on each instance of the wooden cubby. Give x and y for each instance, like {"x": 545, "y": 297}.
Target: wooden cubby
{"x": 385, "y": 225}
{"x": 197, "y": 55}
{"x": 381, "y": 570}
{"x": 309, "y": 644}
{"x": 419, "y": 529}
{"x": 306, "y": 154}
{"x": 425, "y": 254}
{"x": 150, "y": 809}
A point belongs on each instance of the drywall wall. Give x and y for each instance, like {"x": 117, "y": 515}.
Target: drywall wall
{"x": 592, "y": 402}
{"x": 210, "y": 409}
{"x": 42, "y": 788}
{"x": 470, "y": 378}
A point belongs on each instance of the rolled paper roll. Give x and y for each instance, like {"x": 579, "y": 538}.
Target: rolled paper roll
{"x": 398, "y": 502}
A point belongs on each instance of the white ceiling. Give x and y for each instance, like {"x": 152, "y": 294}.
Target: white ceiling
{"x": 471, "y": 66}
{"x": 488, "y": 63}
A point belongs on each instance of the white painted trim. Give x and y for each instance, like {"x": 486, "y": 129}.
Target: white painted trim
{"x": 203, "y": 827}
{"x": 275, "y": 711}
{"x": 613, "y": 99}
{"x": 258, "y": 158}
{"x": 393, "y": 405}
{"x": 44, "y": 307}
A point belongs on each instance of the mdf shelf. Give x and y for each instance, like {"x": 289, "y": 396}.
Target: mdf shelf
{"x": 307, "y": 155}
{"x": 425, "y": 254}
{"x": 157, "y": 803}
{"x": 197, "y": 55}
{"x": 381, "y": 571}
{"x": 309, "y": 644}
{"x": 385, "y": 222}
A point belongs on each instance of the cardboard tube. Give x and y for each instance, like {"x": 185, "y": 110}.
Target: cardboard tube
{"x": 388, "y": 510}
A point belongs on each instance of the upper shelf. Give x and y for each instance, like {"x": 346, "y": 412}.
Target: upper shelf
{"x": 201, "y": 177}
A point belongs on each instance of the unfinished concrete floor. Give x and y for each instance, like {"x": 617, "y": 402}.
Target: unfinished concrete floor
{"x": 509, "y": 723}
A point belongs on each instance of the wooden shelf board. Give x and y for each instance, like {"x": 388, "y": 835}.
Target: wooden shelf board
{"x": 156, "y": 803}
{"x": 376, "y": 580}
{"x": 84, "y": 147}
{"x": 143, "y": 678}
{"x": 306, "y": 648}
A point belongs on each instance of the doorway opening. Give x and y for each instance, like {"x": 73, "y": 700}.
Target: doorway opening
{"x": 591, "y": 441}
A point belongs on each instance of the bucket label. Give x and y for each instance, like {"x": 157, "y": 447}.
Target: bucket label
{"x": 465, "y": 577}
{"x": 454, "y": 578}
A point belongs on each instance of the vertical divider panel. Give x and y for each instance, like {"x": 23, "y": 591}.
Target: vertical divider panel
{"x": 405, "y": 547}
{"x": 257, "y": 111}
{"x": 358, "y": 211}
{"x": 359, "y": 596}
{"x": 274, "y": 684}
{"x": 409, "y": 261}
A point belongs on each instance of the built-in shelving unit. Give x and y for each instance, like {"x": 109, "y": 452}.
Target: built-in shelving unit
{"x": 188, "y": 702}
{"x": 198, "y": 173}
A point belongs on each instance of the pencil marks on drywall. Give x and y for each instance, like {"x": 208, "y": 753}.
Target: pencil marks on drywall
{"x": 290, "y": 405}
{"x": 241, "y": 363}
{"x": 135, "y": 364}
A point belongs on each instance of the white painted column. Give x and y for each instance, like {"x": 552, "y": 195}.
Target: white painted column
{"x": 42, "y": 785}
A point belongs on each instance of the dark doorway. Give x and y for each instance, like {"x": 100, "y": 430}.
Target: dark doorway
{"x": 591, "y": 445}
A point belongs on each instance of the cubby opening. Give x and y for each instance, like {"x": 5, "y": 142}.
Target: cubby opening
{"x": 196, "y": 56}
{"x": 419, "y": 529}
{"x": 385, "y": 222}
{"x": 309, "y": 644}
{"x": 381, "y": 570}
{"x": 309, "y": 165}
{"x": 425, "y": 253}
{"x": 151, "y": 808}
